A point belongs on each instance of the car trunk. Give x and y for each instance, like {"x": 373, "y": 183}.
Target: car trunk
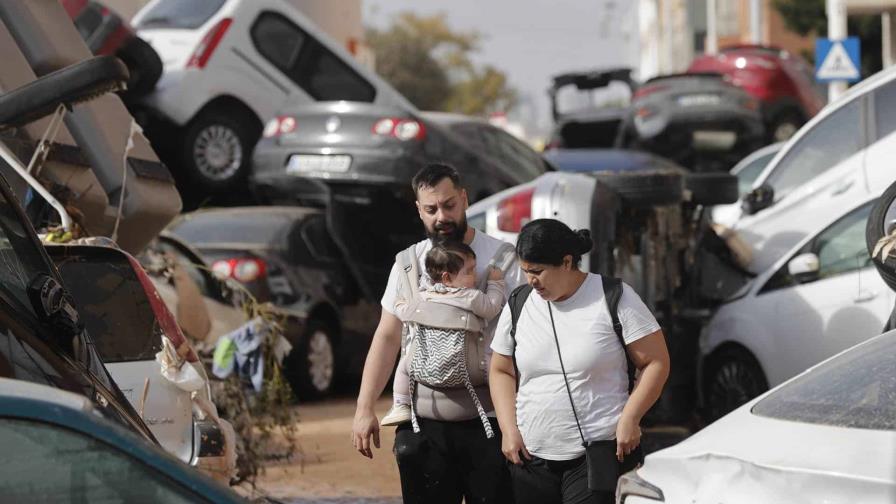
{"x": 174, "y": 28}
{"x": 119, "y": 317}
{"x": 173, "y": 46}
{"x": 342, "y": 125}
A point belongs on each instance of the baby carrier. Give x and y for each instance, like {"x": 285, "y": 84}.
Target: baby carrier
{"x": 444, "y": 344}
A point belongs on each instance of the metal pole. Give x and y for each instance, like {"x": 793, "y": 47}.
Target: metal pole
{"x": 756, "y": 21}
{"x": 889, "y": 49}
{"x": 711, "y": 46}
{"x": 836, "y": 11}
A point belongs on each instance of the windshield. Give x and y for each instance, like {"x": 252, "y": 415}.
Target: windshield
{"x": 185, "y": 14}
{"x": 21, "y": 259}
{"x": 249, "y": 228}
{"x": 569, "y": 99}
{"x": 747, "y": 175}
{"x": 856, "y": 389}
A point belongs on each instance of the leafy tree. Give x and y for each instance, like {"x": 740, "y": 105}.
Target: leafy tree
{"x": 429, "y": 63}
{"x": 808, "y": 17}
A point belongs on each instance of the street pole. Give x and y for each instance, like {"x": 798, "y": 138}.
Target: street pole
{"x": 836, "y": 11}
{"x": 756, "y": 21}
{"x": 711, "y": 46}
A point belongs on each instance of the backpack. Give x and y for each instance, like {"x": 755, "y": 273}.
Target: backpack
{"x": 446, "y": 350}
{"x": 612, "y": 294}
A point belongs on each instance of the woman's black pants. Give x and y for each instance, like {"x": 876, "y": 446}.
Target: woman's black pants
{"x": 540, "y": 481}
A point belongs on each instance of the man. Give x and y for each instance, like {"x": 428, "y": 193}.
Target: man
{"x": 451, "y": 458}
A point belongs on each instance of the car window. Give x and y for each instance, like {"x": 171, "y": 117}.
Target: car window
{"x": 471, "y": 134}
{"x": 48, "y": 463}
{"x": 232, "y": 227}
{"x": 314, "y": 68}
{"x": 192, "y": 268}
{"x": 185, "y": 14}
{"x": 317, "y": 238}
{"x": 885, "y": 109}
{"x": 113, "y": 305}
{"x": 841, "y": 248}
{"x": 747, "y": 175}
{"x": 513, "y": 154}
{"x": 277, "y": 39}
{"x": 831, "y": 141}
{"x": 855, "y": 389}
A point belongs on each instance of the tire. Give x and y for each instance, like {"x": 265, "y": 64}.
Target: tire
{"x": 733, "y": 379}
{"x": 876, "y": 229}
{"x": 645, "y": 188}
{"x": 784, "y": 125}
{"x": 712, "y": 188}
{"x": 310, "y": 367}
{"x": 144, "y": 65}
{"x": 216, "y": 153}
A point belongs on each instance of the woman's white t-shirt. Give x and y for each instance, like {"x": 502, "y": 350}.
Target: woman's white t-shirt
{"x": 593, "y": 358}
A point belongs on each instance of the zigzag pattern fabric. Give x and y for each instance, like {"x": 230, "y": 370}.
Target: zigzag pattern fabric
{"x": 440, "y": 361}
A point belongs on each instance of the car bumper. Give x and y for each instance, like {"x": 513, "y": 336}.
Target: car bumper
{"x": 683, "y": 124}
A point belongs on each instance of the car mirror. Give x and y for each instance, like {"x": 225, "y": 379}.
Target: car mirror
{"x": 54, "y": 304}
{"x": 804, "y": 267}
{"x": 758, "y": 199}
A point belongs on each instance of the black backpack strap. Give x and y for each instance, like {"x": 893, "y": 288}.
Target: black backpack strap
{"x": 516, "y": 301}
{"x": 612, "y": 295}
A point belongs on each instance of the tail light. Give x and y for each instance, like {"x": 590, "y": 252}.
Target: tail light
{"x": 402, "y": 129}
{"x": 208, "y": 44}
{"x": 166, "y": 320}
{"x": 515, "y": 211}
{"x": 280, "y": 125}
{"x": 649, "y": 90}
{"x": 241, "y": 270}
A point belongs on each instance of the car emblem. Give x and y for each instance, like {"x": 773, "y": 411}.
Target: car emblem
{"x": 333, "y": 124}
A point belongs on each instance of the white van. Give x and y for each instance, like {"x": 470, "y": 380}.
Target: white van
{"x": 229, "y": 65}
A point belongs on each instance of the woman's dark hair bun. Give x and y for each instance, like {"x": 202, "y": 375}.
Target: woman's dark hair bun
{"x": 585, "y": 241}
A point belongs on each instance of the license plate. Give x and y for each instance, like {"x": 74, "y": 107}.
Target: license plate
{"x": 305, "y": 163}
{"x": 714, "y": 140}
{"x": 699, "y": 100}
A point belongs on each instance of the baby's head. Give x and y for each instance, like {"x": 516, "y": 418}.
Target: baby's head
{"x": 452, "y": 263}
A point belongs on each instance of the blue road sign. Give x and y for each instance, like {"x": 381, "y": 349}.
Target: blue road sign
{"x": 837, "y": 60}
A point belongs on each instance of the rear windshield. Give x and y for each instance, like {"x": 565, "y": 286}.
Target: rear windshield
{"x": 856, "y": 389}
{"x": 180, "y": 13}
{"x": 113, "y": 306}
{"x": 239, "y": 228}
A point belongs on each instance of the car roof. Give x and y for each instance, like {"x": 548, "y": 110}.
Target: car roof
{"x": 616, "y": 160}
{"x": 18, "y": 389}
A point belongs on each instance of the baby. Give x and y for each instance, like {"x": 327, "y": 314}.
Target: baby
{"x": 451, "y": 267}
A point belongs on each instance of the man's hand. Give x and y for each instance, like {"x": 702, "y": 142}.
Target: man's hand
{"x": 365, "y": 425}
{"x": 495, "y": 274}
{"x": 512, "y": 446}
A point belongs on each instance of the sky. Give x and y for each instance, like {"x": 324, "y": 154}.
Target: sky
{"x": 531, "y": 40}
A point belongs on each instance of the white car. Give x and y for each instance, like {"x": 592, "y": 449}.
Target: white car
{"x": 828, "y": 435}
{"x": 747, "y": 172}
{"x": 229, "y": 66}
{"x": 820, "y": 298}
{"x": 840, "y": 157}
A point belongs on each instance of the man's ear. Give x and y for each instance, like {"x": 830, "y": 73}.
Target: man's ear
{"x": 463, "y": 194}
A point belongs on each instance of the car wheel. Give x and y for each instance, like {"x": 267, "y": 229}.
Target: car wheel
{"x": 882, "y": 223}
{"x": 734, "y": 379}
{"x": 216, "y": 151}
{"x": 144, "y": 66}
{"x": 784, "y": 126}
{"x": 311, "y": 366}
{"x": 645, "y": 188}
{"x": 712, "y": 188}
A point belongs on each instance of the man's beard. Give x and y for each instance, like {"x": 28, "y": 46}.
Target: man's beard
{"x": 455, "y": 231}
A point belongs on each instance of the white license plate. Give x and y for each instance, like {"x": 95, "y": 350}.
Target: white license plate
{"x": 714, "y": 140}
{"x": 699, "y": 100}
{"x": 305, "y": 163}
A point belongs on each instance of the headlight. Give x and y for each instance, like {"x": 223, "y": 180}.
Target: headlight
{"x": 630, "y": 484}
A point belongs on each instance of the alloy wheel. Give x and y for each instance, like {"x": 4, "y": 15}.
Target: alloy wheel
{"x": 218, "y": 152}
{"x": 320, "y": 360}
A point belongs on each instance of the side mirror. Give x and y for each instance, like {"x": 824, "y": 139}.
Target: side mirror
{"x": 804, "y": 267}
{"x": 758, "y": 199}
{"x": 54, "y": 305}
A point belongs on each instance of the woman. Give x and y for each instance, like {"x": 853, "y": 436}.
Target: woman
{"x": 543, "y": 436}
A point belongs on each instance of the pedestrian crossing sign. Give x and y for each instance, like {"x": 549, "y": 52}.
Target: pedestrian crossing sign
{"x": 837, "y": 60}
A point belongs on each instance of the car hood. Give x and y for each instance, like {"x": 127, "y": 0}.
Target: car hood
{"x": 748, "y": 458}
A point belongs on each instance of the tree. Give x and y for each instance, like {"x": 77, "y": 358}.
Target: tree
{"x": 429, "y": 63}
{"x": 808, "y": 17}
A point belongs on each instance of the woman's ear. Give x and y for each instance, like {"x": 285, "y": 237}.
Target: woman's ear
{"x": 567, "y": 262}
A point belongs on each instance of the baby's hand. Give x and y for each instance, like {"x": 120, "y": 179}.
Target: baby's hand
{"x": 495, "y": 274}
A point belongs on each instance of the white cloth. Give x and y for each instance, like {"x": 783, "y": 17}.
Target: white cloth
{"x": 455, "y": 404}
{"x": 595, "y": 367}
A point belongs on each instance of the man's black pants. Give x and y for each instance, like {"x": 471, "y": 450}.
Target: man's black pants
{"x": 540, "y": 481}
{"x": 450, "y": 461}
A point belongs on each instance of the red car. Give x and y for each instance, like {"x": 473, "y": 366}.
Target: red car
{"x": 783, "y": 83}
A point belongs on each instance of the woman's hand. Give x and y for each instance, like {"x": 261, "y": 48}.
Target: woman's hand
{"x": 628, "y": 436}
{"x": 512, "y": 446}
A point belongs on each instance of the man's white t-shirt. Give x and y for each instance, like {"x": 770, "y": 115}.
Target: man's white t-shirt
{"x": 593, "y": 358}
{"x": 455, "y": 404}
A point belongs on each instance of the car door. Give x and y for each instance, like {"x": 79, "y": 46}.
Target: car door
{"x": 813, "y": 318}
